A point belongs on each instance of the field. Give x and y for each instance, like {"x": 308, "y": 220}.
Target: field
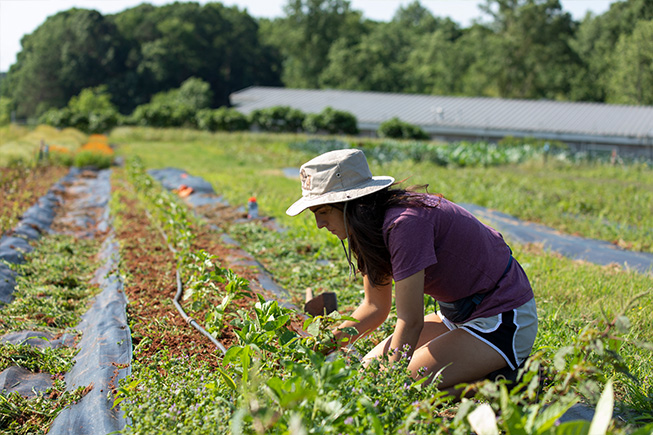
{"x": 595, "y": 330}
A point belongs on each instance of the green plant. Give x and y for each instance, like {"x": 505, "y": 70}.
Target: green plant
{"x": 91, "y": 111}
{"x": 278, "y": 119}
{"x": 221, "y": 119}
{"x": 398, "y": 129}
{"x": 93, "y": 159}
{"x": 37, "y": 360}
{"x": 52, "y": 286}
{"x": 331, "y": 121}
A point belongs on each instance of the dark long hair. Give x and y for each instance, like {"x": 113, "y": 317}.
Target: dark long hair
{"x": 364, "y": 217}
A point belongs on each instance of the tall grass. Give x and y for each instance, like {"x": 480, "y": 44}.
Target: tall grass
{"x": 21, "y": 144}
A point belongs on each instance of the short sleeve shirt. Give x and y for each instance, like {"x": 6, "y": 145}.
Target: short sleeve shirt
{"x": 460, "y": 255}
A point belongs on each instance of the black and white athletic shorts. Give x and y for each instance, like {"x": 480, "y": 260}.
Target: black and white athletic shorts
{"x": 512, "y": 333}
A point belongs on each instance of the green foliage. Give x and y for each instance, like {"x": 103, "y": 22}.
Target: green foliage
{"x": 632, "y": 75}
{"x": 36, "y": 360}
{"x": 331, "y": 121}
{"x": 398, "y": 129}
{"x": 521, "y": 49}
{"x": 212, "y": 42}
{"x": 92, "y": 159}
{"x": 596, "y": 44}
{"x": 91, "y": 111}
{"x": 6, "y": 107}
{"x": 278, "y": 119}
{"x": 71, "y": 51}
{"x": 221, "y": 119}
{"x": 176, "y": 107}
{"x": 52, "y": 286}
{"x": 305, "y": 36}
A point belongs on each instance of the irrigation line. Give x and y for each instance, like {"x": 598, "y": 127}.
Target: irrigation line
{"x": 189, "y": 319}
{"x": 180, "y": 290}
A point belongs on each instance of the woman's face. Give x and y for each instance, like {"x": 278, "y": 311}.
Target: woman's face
{"x": 331, "y": 218}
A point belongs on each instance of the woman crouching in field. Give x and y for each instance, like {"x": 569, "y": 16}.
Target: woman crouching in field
{"x": 427, "y": 245}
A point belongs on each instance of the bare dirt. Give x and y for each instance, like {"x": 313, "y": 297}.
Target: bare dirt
{"x": 151, "y": 286}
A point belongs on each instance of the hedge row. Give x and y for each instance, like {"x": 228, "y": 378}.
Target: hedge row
{"x": 273, "y": 119}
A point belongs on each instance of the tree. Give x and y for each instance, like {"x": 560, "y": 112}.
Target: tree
{"x": 528, "y": 52}
{"x": 595, "y": 44}
{"x": 631, "y": 80}
{"x": 376, "y": 63}
{"x": 70, "y": 51}
{"x": 5, "y": 110}
{"x": 305, "y": 36}
{"x": 437, "y": 63}
{"x": 220, "y": 45}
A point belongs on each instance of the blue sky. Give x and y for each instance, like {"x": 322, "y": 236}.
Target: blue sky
{"x": 20, "y": 17}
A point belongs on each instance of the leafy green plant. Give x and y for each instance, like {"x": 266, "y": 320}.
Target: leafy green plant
{"x": 278, "y": 119}
{"x": 91, "y": 111}
{"x": 221, "y": 119}
{"x": 331, "y": 121}
{"x": 398, "y": 129}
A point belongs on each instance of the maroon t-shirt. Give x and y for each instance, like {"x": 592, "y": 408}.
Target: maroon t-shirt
{"x": 460, "y": 256}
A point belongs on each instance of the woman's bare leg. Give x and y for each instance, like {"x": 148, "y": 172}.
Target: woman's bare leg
{"x": 464, "y": 357}
{"x": 433, "y": 328}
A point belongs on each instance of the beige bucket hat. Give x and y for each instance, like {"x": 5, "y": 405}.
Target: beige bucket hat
{"x": 336, "y": 176}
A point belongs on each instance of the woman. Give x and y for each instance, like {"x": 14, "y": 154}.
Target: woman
{"x": 427, "y": 245}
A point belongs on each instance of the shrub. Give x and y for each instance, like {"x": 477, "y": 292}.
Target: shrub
{"x": 221, "y": 119}
{"x": 91, "y": 111}
{"x": 174, "y": 108}
{"x": 163, "y": 114}
{"x": 331, "y": 121}
{"x": 278, "y": 119}
{"x": 398, "y": 129}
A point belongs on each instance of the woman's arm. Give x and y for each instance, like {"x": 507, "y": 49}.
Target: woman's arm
{"x": 370, "y": 313}
{"x": 409, "y": 299}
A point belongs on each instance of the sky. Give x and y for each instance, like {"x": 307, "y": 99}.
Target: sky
{"x": 21, "y": 17}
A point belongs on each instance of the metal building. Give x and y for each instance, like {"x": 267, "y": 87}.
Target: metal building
{"x": 584, "y": 126}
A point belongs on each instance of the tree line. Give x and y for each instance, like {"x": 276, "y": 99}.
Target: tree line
{"x": 529, "y": 49}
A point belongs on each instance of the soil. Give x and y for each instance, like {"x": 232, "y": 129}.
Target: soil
{"x": 151, "y": 285}
{"x": 147, "y": 262}
{"x": 21, "y": 188}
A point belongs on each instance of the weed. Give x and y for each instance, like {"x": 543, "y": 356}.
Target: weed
{"x": 52, "y": 287}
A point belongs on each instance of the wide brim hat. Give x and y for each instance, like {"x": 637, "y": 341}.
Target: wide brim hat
{"x": 336, "y": 176}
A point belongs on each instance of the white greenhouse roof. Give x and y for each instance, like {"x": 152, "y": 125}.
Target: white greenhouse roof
{"x": 466, "y": 115}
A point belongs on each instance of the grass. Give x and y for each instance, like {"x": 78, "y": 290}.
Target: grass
{"x": 594, "y": 200}
{"x": 52, "y": 287}
{"x": 51, "y": 294}
{"x": 36, "y": 360}
{"x": 21, "y": 144}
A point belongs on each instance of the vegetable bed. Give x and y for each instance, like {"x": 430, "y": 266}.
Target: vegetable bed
{"x": 593, "y": 346}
